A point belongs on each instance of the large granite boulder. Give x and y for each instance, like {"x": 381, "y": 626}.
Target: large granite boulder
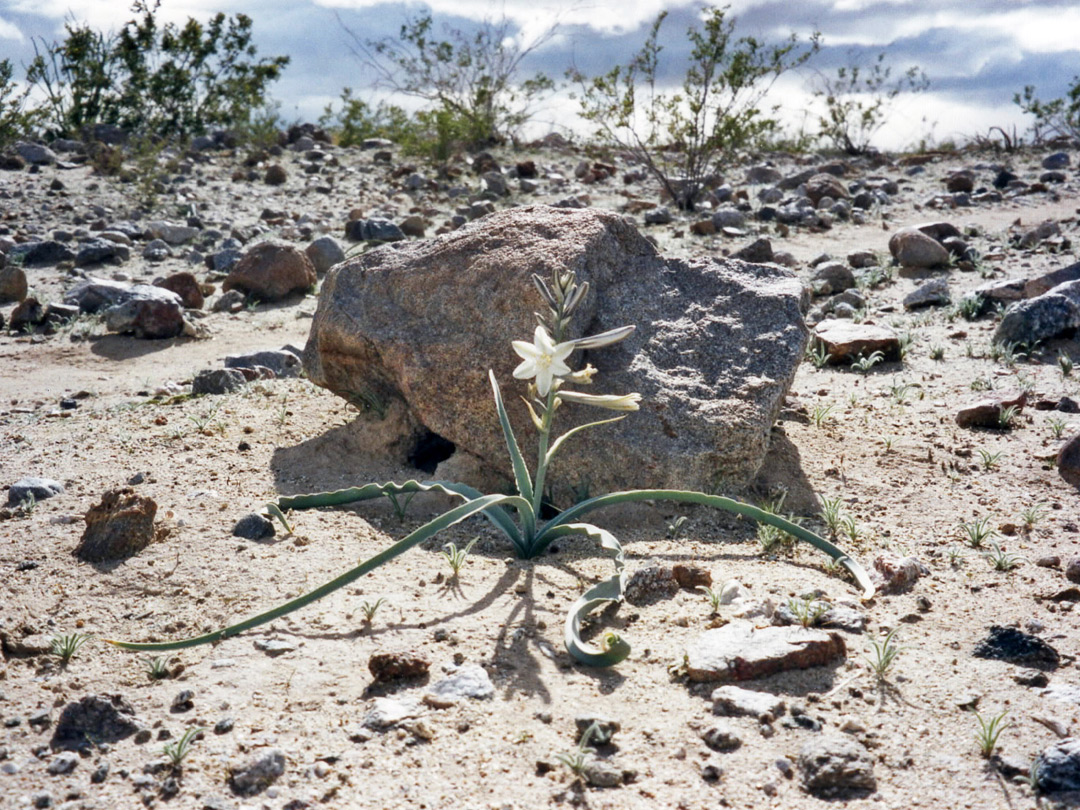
{"x": 413, "y": 327}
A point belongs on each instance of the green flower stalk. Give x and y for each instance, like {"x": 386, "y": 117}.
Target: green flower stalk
{"x": 545, "y": 362}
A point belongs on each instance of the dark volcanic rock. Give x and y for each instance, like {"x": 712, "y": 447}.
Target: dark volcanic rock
{"x": 1017, "y": 647}
{"x": 118, "y": 527}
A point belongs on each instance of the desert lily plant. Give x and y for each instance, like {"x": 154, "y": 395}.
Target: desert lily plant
{"x": 552, "y": 385}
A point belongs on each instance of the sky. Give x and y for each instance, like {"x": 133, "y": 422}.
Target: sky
{"x": 976, "y": 53}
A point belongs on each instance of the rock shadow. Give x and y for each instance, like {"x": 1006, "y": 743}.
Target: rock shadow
{"x": 782, "y": 471}
{"x": 125, "y": 347}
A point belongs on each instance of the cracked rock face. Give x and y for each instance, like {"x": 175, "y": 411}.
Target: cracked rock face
{"x": 739, "y": 651}
{"x": 716, "y": 347}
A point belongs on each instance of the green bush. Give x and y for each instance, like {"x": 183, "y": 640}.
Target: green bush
{"x": 1061, "y": 116}
{"x": 858, "y": 101}
{"x": 470, "y": 81}
{"x": 684, "y": 135}
{"x": 356, "y": 121}
{"x": 15, "y": 120}
{"x": 172, "y": 81}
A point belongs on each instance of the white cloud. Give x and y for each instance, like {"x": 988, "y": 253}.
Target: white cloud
{"x": 9, "y": 30}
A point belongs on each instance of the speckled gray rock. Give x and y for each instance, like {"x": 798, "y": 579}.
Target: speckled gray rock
{"x": 721, "y": 736}
{"x": 39, "y": 489}
{"x": 282, "y": 363}
{"x": 171, "y": 232}
{"x": 1043, "y": 317}
{"x": 324, "y": 253}
{"x": 63, "y": 763}
{"x": 832, "y": 766}
{"x": 217, "y": 381}
{"x": 470, "y": 681}
{"x": 933, "y": 293}
{"x": 147, "y": 312}
{"x": 35, "y": 153}
{"x": 1057, "y": 767}
{"x": 259, "y": 772}
{"x": 41, "y": 254}
{"x": 715, "y": 351}
{"x": 830, "y": 278}
{"x": 376, "y": 229}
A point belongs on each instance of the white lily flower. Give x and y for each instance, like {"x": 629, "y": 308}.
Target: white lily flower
{"x": 543, "y": 358}
{"x": 613, "y": 402}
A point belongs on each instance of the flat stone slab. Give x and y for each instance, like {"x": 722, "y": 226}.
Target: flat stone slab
{"x": 846, "y": 341}
{"x": 741, "y": 652}
{"x": 470, "y": 681}
{"x": 734, "y": 701}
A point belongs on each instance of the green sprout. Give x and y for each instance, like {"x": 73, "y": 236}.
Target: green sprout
{"x": 713, "y": 598}
{"x": 818, "y": 354}
{"x": 65, "y": 647}
{"x": 831, "y": 514}
{"x": 937, "y": 352}
{"x": 176, "y": 751}
{"x": 369, "y": 609}
{"x": 867, "y": 362}
{"x": 990, "y": 460}
{"x": 1032, "y": 515}
{"x": 955, "y": 555}
{"x": 1057, "y": 426}
{"x": 157, "y": 668}
{"x": 1008, "y": 416}
{"x": 518, "y": 516}
{"x": 884, "y": 652}
{"x": 456, "y": 556}
{"x": 988, "y": 731}
{"x": 400, "y": 503}
{"x": 820, "y": 415}
{"x": 1002, "y": 560}
{"x": 576, "y": 759}
{"x": 977, "y": 531}
{"x": 807, "y": 611}
{"x": 675, "y": 527}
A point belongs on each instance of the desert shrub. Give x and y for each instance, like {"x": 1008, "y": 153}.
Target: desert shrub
{"x": 1061, "y": 116}
{"x": 16, "y": 121}
{"x": 357, "y": 120}
{"x": 858, "y": 101}
{"x": 173, "y": 81}
{"x": 471, "y": 81}
{"x": 682, "y": 135}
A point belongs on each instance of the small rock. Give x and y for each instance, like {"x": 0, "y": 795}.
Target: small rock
{"x": 39, "y": 489}
{"x": 721, "y": 737}
{"x": 184, "y": 701}
{"x": 274, "y": 647}
{"x": 659, "y": 216}
{"x": 1056, "y": 160}
{"x": 913, "y": 248}
{"x": 1054, "y": 561}
{"x": 13, "y": 286}
{"x": 324, "y": 253}
{"x": 186, "y": 286}
{"x": 757, "y": 252}
{"x": 101, "y": 718}
{"x": 232, "y": 301}
{"x": 934, "y": 292}
{"x": 259, "y": 772}
{"x": 284, "y": 364}
{"x": 253, "y": 527}
{"x": 602, "y": 774}
{"x": 393, "y": 666}
{"x": 388, "y": 712}
{"x": 271, "y": 271}
{"x": 1072, "y": 570}
{"x": 830, "y": 278}
{"x": 217, "y": 381}
{"x": 1068, "y": 463}
{"x": 734, "y": 701}
{"x": 845, "y": 341}
{"x": 731, "y": 591}
{"x": 120, "y": 526}
{"x": 1057, "y": 767}
{"x": 833, "y": 766}
{"x": 275, "y": 175}
{"x": 470, "y": 681}
{"x": 898, "y": 573}
{"x": 740, "y": 651}
{"x": 170, "y": 232}
{"x": 691, "y": 576}
{"x": 650, "y": 585}
{"x": 986, "y": 412}
{"x": 1017, "y": 647}
{"x": 63, "y": 763}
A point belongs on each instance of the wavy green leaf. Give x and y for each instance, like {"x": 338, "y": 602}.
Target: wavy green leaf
{"x": 429, "y": 529}
{"x": 718, "y": 502}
